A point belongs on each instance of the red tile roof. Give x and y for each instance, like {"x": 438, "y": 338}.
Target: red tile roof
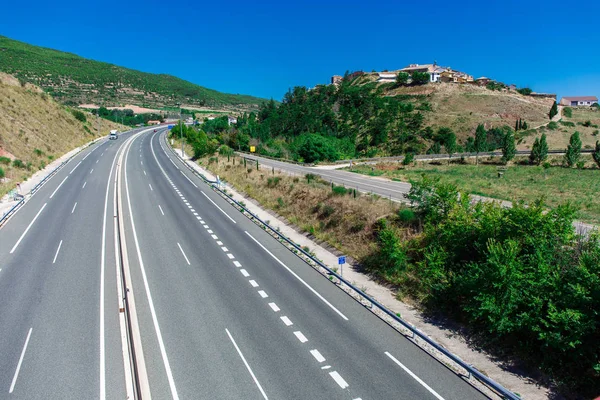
{"x": 581, "y": 98}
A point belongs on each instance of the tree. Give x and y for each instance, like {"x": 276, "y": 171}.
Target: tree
{"x": 402, "y": 78}
{"x": 314, "y": 148}
{"x": 420, "y": 78}
{"x": 524, "y": 125}
{"x": 450, "y": 145}
{"x": 509, "y": 149}
{"x": 596, "y": 154}
{"x": 573, "y": 150}
{"x": 525, "y": 91}
{"x": 539, "y": 150}
{"x": 516, "y": 125}
{"x": 480, "y": 141}
{"x": 553, "y": 110}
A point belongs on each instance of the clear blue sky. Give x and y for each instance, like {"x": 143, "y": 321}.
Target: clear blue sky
{"x": 263, "y": 48}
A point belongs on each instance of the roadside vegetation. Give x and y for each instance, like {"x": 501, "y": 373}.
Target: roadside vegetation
{"x": 519, "y": 278}
{"x": 35, "y": 129}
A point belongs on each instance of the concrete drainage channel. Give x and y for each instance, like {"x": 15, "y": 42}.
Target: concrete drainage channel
{"x": 451, "y": 361}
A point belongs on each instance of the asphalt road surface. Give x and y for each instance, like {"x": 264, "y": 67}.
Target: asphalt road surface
{"x": 225, "y": 311}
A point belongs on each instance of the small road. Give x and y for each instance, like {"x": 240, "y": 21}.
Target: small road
{"x": 394, "y": 190}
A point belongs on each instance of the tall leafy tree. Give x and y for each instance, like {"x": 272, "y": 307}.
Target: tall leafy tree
{"x": 450, "y": 144}
{"x": 539, "y": 150}
{"x": 524, "y": 127}
{"x": 402, "y": 78}
{"x": 543, "y": 148}
{"x": 480, "y": 141}
{"x": 596, "y": 154}
{"x": 553, "y": 110}
{"x": 509, "y": 149}
{"x": 573, "y": 150}
{"x": 516, "y": 125}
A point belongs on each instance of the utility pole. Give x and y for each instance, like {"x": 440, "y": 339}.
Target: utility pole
{"x": 181, "y": 132}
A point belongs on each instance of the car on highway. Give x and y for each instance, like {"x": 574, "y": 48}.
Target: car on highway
{"x": 114, "y": 134}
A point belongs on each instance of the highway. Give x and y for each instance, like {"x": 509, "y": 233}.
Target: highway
{"x": 224, "y": 311}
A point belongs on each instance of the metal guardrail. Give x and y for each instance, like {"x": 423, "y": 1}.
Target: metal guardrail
{"x": 499, "y": 389}
{"x": 11, "y": 211}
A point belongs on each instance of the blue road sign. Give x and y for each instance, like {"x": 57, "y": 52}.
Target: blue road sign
{"x": 341, "y": 260}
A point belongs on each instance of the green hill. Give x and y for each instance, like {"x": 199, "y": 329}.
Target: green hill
{"x": 75, "y": 80}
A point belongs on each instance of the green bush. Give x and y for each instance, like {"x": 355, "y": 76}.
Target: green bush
{"x": 420, "y": 78}
{"x": 587, "y": 123}
{"x": 314, "y": 148}
{"x": 38, "y": 152}
{"x": 552, "y": 125}
{"x": 525, "y": 91}
{"x": 2, "y": 175}
{"x": 80, "y": 116}
{"x": 273, "y": 181}
{"x": 568, "y": 112}
{"x": 406, "y": 215}
{"x": 567, "y": 123}
{"x": 340, "y": 190}
{"x": 408, "y": 159}
{"x": 4, "y": 160}
{"x": 327, "y": 211}
{"x": 18, "y": 163}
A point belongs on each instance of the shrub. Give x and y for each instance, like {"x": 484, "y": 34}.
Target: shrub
{"x": 406, "y": 215}
{"x": 525, "y": 91}
{"x": 327, "y": 211}
{"x": 552, "y": 125}
{"x": 4, "y": 160}
{"x": 274, "y": 181}
{"x": 402, "y": 78}
{"x": 2, "y": 175}
{"x": 38, "y": 152}
{"x": 357, "y": 227}
{"x": 568, "y": 112}
{"x": 339, "y": 190}
{"x": 595, "y": 132}
{"x": 80, "y": 116}
{"x": 420, "y": 78}
{"x": 18, "y": 163}
{"x": 314, "y": 148}
{"x": 408, "y": 159}
{"x": 587, "y": 123}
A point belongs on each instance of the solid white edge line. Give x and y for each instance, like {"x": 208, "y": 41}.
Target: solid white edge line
{"x": 28, "y": 227}
{"x": 75, "y": 167}
{"x": 161, "y": 211}
{"x": 57, "y": 250}
{"x": 297, "y": 277}
{"x": 338, "y": 379}
{"x": 161, "y": 343}
{"x": 56, "y": 190}
{"x": 186, "y": 177}
{"x": 14, "y": 380}
{"x": 415, "y": 377}
{"x": 73, "y": 210}
{"x": 247, "y": 365}
{"x": 184, "y": 256}
{"x": 215, "y": 204}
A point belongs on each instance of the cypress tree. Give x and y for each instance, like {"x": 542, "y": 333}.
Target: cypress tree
{"x": 480, "y": 141}
{"x": 543, "y": 150}
{"x": 509, "y": 149}
{"x": 596, "y": 154}
{"x": 535, "y": 149}
{"x": 516, "y": 125}
{"x": 573, "y": 150}
{"x": 553, "y": 110}
{"x": 524, "y": 125}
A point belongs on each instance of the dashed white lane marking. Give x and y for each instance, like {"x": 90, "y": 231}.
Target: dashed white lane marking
{"x": 186, "y": 177}
{"x": 84, "y": 183}
{"x": 263, "y": 294}
{"x": 73, "y": 210}
{"x": 28, "y": 227}
{"x": 56, "y": 190}
{"x": 150, "y": 187}
{"x": 301, "y": 337}
{"x": 12, "y": 385}
{"x": 245, "y": 273}
{"x": 75, "y": 167}
{"x": 338, "y": 379}
{"x": 408, "y": 371}
{"x": 186, "y": 259}
{"x": 195, "y": 213}
{"x": 97, "y": 161}
{"x": 215, "y": 204}
{"x": 253, "y": 283}
{"x": 57, "y": 250}
{"x": 231, "y": 256}
{"x": 205, "y": 226}
{"x": 92, "y": 170}
{"x": 317, "y": 355}
{"x": 209, "y": 231}
{"x": 161, "y": 211}
{"x": 327, "y": 367}
{"x": 297, "y": 277}
{"x": 189, "y": 206}
{"x": 247, "y": 365}
{"x": 199, "y": 219}
{"x": 145, "y": 172}
{"x": 219, "y": 242}
{"x": 287, "y": 321}
{"x": 237, "y": 264}
{"x": 215, "y": 237}
{"x": 274, "y": 307}
{"x": 225, "y": 249}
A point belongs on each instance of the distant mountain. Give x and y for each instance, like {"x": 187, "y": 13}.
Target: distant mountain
{"x": 75, "y": 80}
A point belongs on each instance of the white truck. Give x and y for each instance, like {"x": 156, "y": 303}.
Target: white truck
{"x": 114, "y": 134}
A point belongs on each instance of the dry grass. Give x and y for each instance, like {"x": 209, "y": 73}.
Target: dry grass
{"x": 36, "y": 129}
{"x": 343, "y": 221}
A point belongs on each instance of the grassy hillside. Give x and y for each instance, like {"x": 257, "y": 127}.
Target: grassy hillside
{"x": 75, "y": 80}
{"x": 36, "y": 129}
